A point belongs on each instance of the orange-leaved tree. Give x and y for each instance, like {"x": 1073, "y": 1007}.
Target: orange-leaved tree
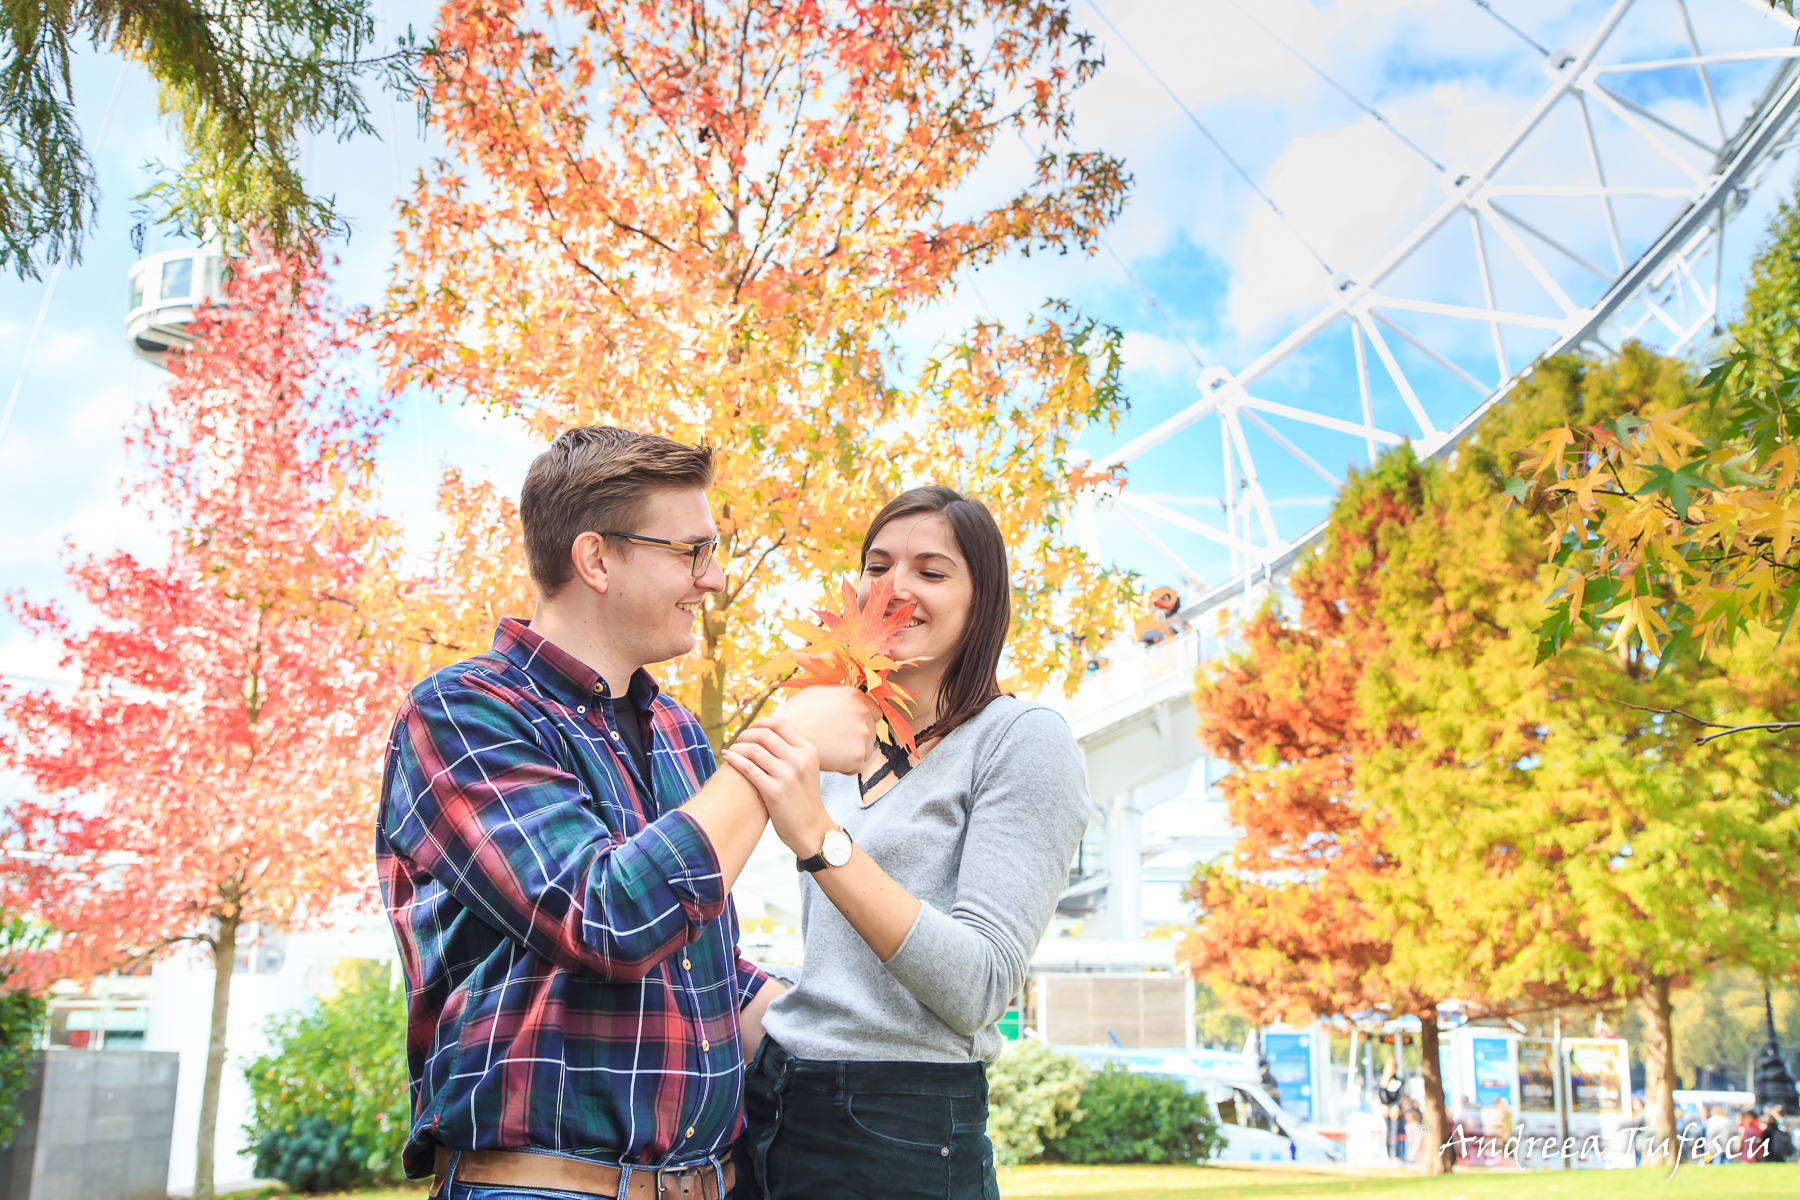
{"x": 723, "y": 223}
{"x": 1283, "y": 929}
{"x": 215, "y": 765}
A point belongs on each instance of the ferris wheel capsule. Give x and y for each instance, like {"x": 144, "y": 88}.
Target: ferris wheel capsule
{"x": 166, "y": 288}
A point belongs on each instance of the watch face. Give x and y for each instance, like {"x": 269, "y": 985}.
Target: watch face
{"x": 836, "y": 850}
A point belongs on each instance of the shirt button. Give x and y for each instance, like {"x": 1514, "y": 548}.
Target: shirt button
{"x": 581, "y": 708}
{"x": 690, "y": 1132}
{"x": 705, "y": 1045}
{"x": 615, "y": 735}
{"x": 686, "y": 965}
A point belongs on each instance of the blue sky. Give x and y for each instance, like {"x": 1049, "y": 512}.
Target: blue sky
{"x": 1230, "y": 278}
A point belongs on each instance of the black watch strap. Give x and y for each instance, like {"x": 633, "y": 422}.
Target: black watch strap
{"x": 817, "y": 863}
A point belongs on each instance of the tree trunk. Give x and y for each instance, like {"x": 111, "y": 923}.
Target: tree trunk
{"x": 1435, "y": 1157}
{"x": 224, "y": 959}
{"x": 712, "y": 679}
{"x": 1659, "y": 1071}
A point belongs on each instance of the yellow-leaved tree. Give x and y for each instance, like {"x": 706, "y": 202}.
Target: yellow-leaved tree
{"x": 724, "y": 223}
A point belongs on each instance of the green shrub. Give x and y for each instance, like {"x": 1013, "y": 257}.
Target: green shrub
{"x": 1032, "y": 1094}
{"x": 21, "y": 1021}
{"x": 1127, "y": 1118}
{"x": 313, "y": 1155}
{"x": 330, "y": 1097}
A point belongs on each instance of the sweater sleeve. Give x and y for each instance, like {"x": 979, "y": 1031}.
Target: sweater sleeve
{"x": 1028, "y": 809}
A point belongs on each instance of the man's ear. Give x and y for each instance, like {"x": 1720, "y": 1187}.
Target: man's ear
{"x": 591, "y": 560}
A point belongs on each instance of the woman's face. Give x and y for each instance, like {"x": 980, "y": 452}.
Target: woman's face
{"x": 919, "y": 553}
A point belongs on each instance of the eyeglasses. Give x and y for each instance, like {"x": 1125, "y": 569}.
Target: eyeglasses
{"x": 701, "y": 552}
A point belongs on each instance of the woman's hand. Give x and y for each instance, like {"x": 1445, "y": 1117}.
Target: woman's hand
{"x": 783, "y": 767}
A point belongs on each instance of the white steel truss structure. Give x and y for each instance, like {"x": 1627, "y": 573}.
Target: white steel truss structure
{"x": 1589, "y": 164}
{"x": 1602, "y": 216}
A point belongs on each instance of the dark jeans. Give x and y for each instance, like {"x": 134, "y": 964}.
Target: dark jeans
{"x": 820, "y": 1130}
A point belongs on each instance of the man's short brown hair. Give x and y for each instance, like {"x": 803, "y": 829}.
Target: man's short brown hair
{"x": 600, "y": 479}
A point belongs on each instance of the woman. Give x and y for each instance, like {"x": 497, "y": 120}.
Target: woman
{"x": 930, "y": 880}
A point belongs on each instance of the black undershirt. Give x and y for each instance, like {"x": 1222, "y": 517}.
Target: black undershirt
{"x": 630, "y": 712}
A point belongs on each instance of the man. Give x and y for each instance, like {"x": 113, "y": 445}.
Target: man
{"x": 555, "y": 853}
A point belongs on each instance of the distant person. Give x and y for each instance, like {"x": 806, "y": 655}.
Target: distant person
{"x": 1503, "y": 1122}
{"x": 1412, "y": 1129}
{"x": 1267, "y": 1079}
{"x": 1719, "y": 1128}
{"x": 1749, "y": 1137}
{"x": 1468, "y": 1128}
{"x": 1389, "y": 1093}
{"x": 1778, "y": 1144}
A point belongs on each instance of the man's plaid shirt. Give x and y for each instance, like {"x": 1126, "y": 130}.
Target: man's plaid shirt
{"x": 570, "y": 951}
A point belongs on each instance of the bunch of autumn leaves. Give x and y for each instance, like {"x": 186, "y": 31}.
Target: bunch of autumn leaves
{"x": 851, "y": 646}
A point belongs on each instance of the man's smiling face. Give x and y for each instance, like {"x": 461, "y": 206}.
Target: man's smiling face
{"x": 654, "y": 596}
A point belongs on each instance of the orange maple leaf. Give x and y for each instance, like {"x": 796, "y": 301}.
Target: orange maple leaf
{"x": 850, "y": 646}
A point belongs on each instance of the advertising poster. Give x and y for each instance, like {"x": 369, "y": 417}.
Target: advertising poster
{"x": 1493, "y": 1070}
{"x": 1537, "y": 1076}
{"x": 1290, "y": 1062}
{"x": 1598, "y": 1077}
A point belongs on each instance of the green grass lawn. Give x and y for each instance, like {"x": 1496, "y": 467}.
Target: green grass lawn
{"x": 1279, "y": 1183}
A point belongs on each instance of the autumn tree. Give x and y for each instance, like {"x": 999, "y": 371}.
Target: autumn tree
{"x": 1283, "y": 930}
{"x": 726, "y": 224}
{"x": 1555, "y": 833}
{"x": 1681, "y": 532}
{"x": 244, "y": 82}
{"x": 215, "y": 766}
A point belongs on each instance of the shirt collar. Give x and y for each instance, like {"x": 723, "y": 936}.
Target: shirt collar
{"x": 560, "y": 673}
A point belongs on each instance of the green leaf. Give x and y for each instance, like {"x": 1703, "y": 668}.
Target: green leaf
{"x": 1677, "y": 484}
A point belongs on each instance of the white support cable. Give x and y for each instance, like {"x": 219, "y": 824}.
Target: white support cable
{"x": 1481, "y": 389}
{"x": 1183, "y": 521}
{"x": 1362, "y": 387}
{"x": 1585, "y": 264}
{"x": 1606, "y": 204}
{"x": 1634, "y": 115}
{"x": 1215, "y": 142}
{"x": 1463, "y": 311}
{"x": 1530, "y": 261}
{"x": 1258, "y": 501}
{"x": 1712, "y": 101}
{"x": 1155, "y": 305}
{"x": 1181, "y": 565}
{"x": 37, "y": 326}
{"x": 1426, "y": 429}
{"x": 1366, "y": 430}
{"x": 1306, "y": 460}
{"x": 1487, "y": 292}
{"x": 1698, "y": 60}
{"x": 1487, "y": 8}
{"x": 1343, "y": 91}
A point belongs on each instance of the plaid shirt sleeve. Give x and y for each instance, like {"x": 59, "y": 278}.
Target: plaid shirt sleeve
{"x": 483, "y": 805}
{"x": 750, "y": 977}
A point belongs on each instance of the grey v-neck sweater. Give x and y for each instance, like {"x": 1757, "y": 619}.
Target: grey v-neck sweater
{"x": 981, "y": 832}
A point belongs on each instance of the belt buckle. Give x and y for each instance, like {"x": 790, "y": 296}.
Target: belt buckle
{"x": 678, "y": 1173}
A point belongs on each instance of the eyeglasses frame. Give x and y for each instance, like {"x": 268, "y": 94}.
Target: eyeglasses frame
{"x": 710, "y": 545}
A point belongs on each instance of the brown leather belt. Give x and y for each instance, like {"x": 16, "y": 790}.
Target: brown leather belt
{"x": 552, "y": 1172}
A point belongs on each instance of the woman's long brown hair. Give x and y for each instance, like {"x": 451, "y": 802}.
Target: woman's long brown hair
{"x": 971, "y": 680}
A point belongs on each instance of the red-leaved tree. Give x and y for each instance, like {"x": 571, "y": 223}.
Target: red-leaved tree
{"x": 216, "y": 764}
{"x": 1283, "y": 930}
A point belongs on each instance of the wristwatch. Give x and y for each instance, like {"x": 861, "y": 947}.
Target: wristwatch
{"x": 834, "y": 853}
